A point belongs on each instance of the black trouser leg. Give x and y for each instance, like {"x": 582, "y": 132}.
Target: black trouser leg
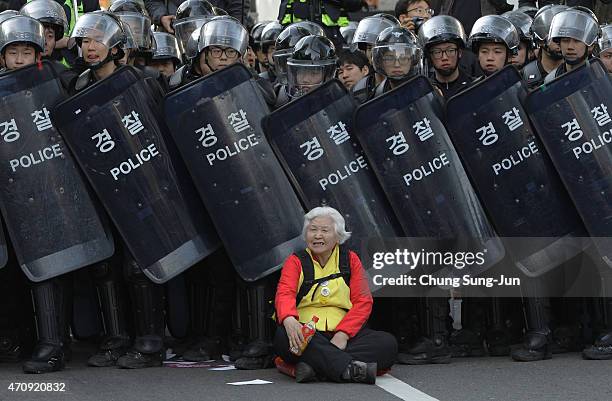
{"x": 330, "y": 362}
{"x": 51, "y": 304}
{"x": 148, "y": 302}
{"x": 112, "y": 297}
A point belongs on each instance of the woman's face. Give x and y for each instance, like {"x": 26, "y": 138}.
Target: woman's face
{"x": 321, "y": 235}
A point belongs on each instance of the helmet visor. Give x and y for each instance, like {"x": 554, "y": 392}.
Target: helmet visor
{"x": 184, "y": 28}
{"x": 280, "y": 61}
{"x": 141, "y": 29}
{"x": 576, "y": 25}
{"x": 98, "y": 27}
{"x": 304, "y": 76}
{"x": 397, "y": 61}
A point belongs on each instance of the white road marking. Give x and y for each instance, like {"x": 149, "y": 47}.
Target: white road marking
{"x": 402, "y": 390}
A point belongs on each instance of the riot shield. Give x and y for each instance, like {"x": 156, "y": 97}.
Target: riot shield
{"x": 415, "y": 162}
{"x": 215, "y": 124}
{"x": 312, "y": 138}
{"x": 113, "y": 131}
{"x": 51, "y": 218}
{"x": 3, "y": 248}
{"x": 514, "y": 177}
{"x": 572, "y": 117}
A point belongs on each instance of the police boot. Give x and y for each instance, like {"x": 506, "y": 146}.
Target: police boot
{"x": 212, "y": 301}
{"x": 258, "y": 353}
{"x": 360, "y": 372}
{"x": 113, "y": 304}
{"x": 10, "y": 347}
{"x": 566, "y": 336}
{"x": 463, "y": 342}
{"x": 537, "y": 342}
{"x": 49, "y": 302}
{"x": 602, "y": 348}
{"x": 435, "y": 348}
{"x": 205, "y": 348}
{"x": 240, "y": 326}
{"x": 16, "y": 324}
{"x": 466, "y": 343}
{"x": 148, "y": 303}
{"x": 497, "y": 338}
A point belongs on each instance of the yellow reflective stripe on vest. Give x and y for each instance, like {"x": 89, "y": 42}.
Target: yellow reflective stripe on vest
{"x": 72, "y": 19}
{"x": 325, "y": 19}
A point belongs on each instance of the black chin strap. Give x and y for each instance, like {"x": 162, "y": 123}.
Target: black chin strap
{"x": 97, "y": 66}
{"x": 579, "y": 60}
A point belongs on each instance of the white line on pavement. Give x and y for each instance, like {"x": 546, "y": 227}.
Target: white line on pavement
{"x": 402, "y": 390}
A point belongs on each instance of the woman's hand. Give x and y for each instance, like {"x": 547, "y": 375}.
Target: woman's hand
{"x": 294, "y": 332}
{"x": 340, "y": 339}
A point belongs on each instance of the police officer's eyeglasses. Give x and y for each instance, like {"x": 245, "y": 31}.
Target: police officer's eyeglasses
{"x": 421, "y": 11}
{"x": 216, "y": 52}
{"x": 437, "y": 53}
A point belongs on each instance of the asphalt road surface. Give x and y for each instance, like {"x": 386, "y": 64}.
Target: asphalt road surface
{"x": 566, "y": 377}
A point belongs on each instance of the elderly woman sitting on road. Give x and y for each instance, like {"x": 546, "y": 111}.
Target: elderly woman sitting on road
{"x": 327, "y": 280}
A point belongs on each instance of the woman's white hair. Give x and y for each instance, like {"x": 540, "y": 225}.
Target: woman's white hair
{"x": 335, "y": 215}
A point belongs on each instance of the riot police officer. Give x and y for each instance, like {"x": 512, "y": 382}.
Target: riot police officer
{"x": 255, "y": 34}
{"x": 397, "y": 56}
{"x": 191, "y": 15}
{"x": 53, "y": 17}
{"x": 576, "y": 32}
{"x": 548, "y": 53}
{"x": 443, "y": 39}
{"x": 495, "y": 40}
{"x": 522, "y": 23}
{"x": 101, "y": 49}
{"x": 132, "y": 14}
{"x": 283, "y": 48}
{"x": 605, "y": 46}
{"x": 22, "y": 43}
{"x": 267, "y": 42}
{"x": 167, "y": 55}
{"x": 312, "y": 63}
{"x": 364, "y": 38}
